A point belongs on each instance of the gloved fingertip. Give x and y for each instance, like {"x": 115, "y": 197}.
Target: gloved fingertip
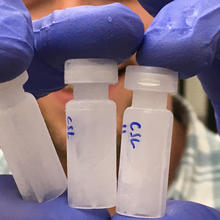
{"x": 6, "y": 180}
{"x": 16, "y": 39}
{"x": 110, "y": 26}
{"x": 43, "y": 79}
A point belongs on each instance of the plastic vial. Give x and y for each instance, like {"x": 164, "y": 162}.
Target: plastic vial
{"x": 91, "y": 134}
{"x": 146, "y": 143}
{"x": 27, "y": 145}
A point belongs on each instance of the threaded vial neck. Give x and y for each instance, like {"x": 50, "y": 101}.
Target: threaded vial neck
{"x": 147, "y": 99}
{"x": 90, "y": 91}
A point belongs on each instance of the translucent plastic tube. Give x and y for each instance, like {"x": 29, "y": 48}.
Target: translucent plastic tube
{"x": 146, "y": 143}
{"x": 27, "y": 145}
{"x": 91, "y": 134}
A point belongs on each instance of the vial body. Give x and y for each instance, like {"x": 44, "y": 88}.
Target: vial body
{"x": 91, "y": 153}
{"x": 29, "y": 150}
{"x": 144, "y": 164}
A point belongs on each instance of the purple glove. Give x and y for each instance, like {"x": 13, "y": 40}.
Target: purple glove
{"x": 110, "y": 31}
{"x": 12, "y": 207}
{"x": 185, "y": 37}
{"x": 16, "y": 39}
{"x": 182, "y": 210}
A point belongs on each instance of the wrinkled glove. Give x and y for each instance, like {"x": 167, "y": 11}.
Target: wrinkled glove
{"x": 16, "y": 39}
{"x": 13, "y": 207}
{"x": 182, "y": 210}
{"x": 110, "y": 31}
{"x": 185, "y": 37}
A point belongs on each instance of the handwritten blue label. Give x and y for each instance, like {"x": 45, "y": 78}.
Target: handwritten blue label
{"x": 70, "y": 128}
{"x": 124, "y": 128}
{"x": 134, "y": 133}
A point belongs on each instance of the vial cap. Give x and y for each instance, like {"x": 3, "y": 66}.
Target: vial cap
{"x": 91, "y": 71}
{"x": 18, "y": 81}
{"x": 151, "y": 79}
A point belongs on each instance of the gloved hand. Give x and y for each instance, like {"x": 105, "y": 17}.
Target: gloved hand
{"x": 16, "y": 39}
{"x": 185, "y": 37}
{"x": 13, "y": 207}
{"x": 182, "y": 210}
{"x": 110, "y": 31}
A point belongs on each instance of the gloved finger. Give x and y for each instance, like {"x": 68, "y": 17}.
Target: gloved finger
{"x": 43, "y": 78}
{"x": 154, "y": 6}
{"x": 183, "y": 37}
{"x": 182, "y": 210}
{"x": 16, "y": 39}
{"x": 216, "y": 107}
{"x": 13, "y": 207}
{"x": 111, "y": 31}
{"x": 210, "y": 81}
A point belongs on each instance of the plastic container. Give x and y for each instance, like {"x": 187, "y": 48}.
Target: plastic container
{"x": 27, "y": 145}
{"x": 91, "y": 134}
{"x": 146, "y": 143}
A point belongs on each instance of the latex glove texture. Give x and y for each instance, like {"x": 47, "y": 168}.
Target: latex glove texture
{"x": 182, "y": 210}
{"x": 111, "y": 31}
{"x": 185, "y": 37}
{"x": 16, "y": 39}
{"x": 13, "y": 207}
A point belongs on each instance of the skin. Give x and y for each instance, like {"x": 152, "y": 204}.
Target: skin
{"x": 52, "y": 106}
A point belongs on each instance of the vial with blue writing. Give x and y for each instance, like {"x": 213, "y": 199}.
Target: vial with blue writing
{"x": 146, "y": 143}
{"x": 91, "y": 134}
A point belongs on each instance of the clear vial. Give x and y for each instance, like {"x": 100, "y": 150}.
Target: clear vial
{"x": 27, "y": 145}
{"x": 91, "y": 134}
{"x": 146, "y": 143}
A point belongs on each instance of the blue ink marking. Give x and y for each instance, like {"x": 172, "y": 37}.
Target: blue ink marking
{"x": 124, "y": 126}
{"x": 70, "y": 127}
{"x": 134, "y": 140}
{"x": 133, "y": 124}
{"x": 69, "y": 120}
{"x": 135, "y": 135}
{"x": 70, "y": 134}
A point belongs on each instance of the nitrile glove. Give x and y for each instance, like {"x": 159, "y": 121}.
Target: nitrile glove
{"x": 16, "y": 39}
{"x": 111, "y": 31}
{"x": 12, "y": 207}
{"x": 182, "y": 210}
{"x": 185, "y": 37}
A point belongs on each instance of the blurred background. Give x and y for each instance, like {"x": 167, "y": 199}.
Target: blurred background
{"x": 192, "y": 90}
